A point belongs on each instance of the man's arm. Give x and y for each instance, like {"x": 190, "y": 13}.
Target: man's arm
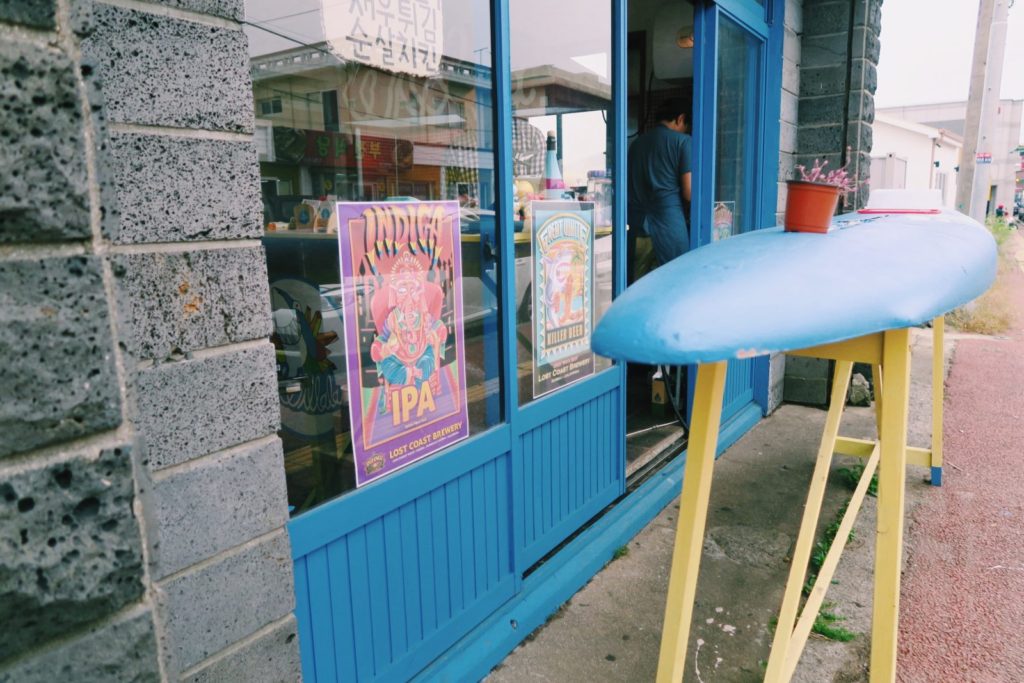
{"x": 684, "y": 183}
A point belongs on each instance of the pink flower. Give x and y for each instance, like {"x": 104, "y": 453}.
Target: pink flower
{"x": 837, "y": 176}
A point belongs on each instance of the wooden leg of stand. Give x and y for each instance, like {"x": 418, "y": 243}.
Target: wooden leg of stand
{"x": 693, "y": 509}
{"x": 891, "y": 480}
{"x": 808, "y": 526}
{"x": 938, "y": 395}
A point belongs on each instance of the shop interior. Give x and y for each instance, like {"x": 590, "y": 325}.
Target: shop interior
{"x": 329, "y": 131}
{"x": 332, "y": 129}
{"x": 659, "y": 67}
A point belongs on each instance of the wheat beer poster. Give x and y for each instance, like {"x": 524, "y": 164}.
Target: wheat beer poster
{"x": 563, "y": 293}
{"x": 402, "y": 286}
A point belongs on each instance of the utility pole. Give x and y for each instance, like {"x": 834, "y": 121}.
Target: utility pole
{"x": 982, "y": 102}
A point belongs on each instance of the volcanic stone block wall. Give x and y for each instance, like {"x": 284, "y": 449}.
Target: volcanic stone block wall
{"x": 838, "y": 75}
{"x": 835, "y": 45}
{"x": 142, "y": 495}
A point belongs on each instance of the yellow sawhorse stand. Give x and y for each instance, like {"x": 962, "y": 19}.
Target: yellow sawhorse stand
{"x": 925, "y": 457}
{"x": 889, "y": 353}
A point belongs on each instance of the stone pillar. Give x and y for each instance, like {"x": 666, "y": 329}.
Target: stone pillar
{"x": 790, "y": 105}
{"x": 142, "y": 492}
{"x": 838, "y": 76}
{"x": 838, "y": 60}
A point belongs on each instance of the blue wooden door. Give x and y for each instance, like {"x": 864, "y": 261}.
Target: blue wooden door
{"x": 390, "y": 576}
{"x": 736, "y": 127}
{"x": 385, "y": 583}
{"x": 568, "y": 446}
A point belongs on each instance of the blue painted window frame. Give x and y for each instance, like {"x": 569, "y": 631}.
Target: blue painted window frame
{"x": 769, "y": 27}
{"x": 313, "y": 531}
{"x": 768, "y": 24}
{"x": 395, "y": 486}
{"x": 522, "y": 418}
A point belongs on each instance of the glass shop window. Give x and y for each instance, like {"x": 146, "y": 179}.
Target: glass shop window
{"x": 270, "y": 106}
{"x": 561, "y": 156}
{"x": 385, "y": 306}
{"x": 739, "y": 63}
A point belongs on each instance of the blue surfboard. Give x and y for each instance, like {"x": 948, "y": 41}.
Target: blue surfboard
{"x": 768, "y": 290}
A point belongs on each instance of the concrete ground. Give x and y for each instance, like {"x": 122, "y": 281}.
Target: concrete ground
{"x": 610, "y": 630}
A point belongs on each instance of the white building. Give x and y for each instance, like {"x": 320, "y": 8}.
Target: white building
{"x": 914, "y": 156}
{"x": 950, "y": 116}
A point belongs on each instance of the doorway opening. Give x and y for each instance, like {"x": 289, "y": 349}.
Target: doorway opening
{"x": 660, "y": 59}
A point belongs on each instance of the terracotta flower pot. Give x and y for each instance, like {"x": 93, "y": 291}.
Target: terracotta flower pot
{"x": 810, "y": 206}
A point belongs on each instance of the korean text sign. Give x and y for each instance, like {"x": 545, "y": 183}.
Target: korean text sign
{"x": 404, "y": 36}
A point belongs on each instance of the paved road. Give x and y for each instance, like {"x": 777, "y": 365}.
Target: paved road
{"x": 962, "y": 603}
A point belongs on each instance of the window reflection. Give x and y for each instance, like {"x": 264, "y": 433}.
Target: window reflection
{"x": 369, "y": 100}
{"x": 739, "y": 57}
{"x": 561, "y": 95}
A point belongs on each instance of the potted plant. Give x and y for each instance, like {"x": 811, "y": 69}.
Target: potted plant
{"x": 812, "y": 199}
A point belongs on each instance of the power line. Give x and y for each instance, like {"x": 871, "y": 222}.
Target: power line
{"x": 299, "y": 14}
{"x": 285, "y": 16}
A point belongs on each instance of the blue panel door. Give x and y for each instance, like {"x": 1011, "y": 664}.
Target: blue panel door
{"x": 385, "y": 583}
{"x": 737, "y": 147}
{"x": 390, "y": 577}
{"x": 568, "y": 446}
{"x": 569, "y": 463}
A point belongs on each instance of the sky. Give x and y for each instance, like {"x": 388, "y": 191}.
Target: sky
{"x": 927, "y": 48}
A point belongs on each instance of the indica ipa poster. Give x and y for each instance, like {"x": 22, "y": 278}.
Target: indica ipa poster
{"x": 402, "y": 281}
{"x": 563, "y": 293}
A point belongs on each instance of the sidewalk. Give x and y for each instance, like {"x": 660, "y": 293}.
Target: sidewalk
{"x": 963, "y": 594}
{"x": 610, "y": 630}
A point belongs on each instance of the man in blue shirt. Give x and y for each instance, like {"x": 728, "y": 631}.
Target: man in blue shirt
{"x": 659, "y": 183}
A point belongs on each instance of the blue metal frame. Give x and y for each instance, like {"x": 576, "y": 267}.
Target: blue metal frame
{"x": 752, "y": 16}
{"x": 501, "y": 82}
{"x": 501, "y": 51}
{"x": 620, "y": 39}
{"x": 381, "y": 526}
{"x": 572, "y": 404}
{"x": 766, "y": 23}
{"x": 705, "y": 70}
{"x": 705, "y": 78}
{"x": 620, "y": 32}
{"x": 771, "y": 112}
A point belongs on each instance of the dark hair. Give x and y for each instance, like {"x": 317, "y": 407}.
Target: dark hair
{"x": 670, "y": 109}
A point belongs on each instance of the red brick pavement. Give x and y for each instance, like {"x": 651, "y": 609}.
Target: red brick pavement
{"x": 962, "y": 602}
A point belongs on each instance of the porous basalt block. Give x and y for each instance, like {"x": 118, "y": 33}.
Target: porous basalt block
{"x": 58, "y": 372}
{"x": 224, "y": 601}
{"x": 164, "y": 71}
{"x": 44, "y": 194}
{"x": 220, "y": 503}
{"x": 70, "y": 549}
{"x": 229, "y": 9}
{"x": 121, "y": 651}
{"x": 181, "y": 189}
{"x": 178, "y": 302}
{"x": 191, "y": 408}
{"x": 34, "y": 13}
{"x": 271, "y": 657}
